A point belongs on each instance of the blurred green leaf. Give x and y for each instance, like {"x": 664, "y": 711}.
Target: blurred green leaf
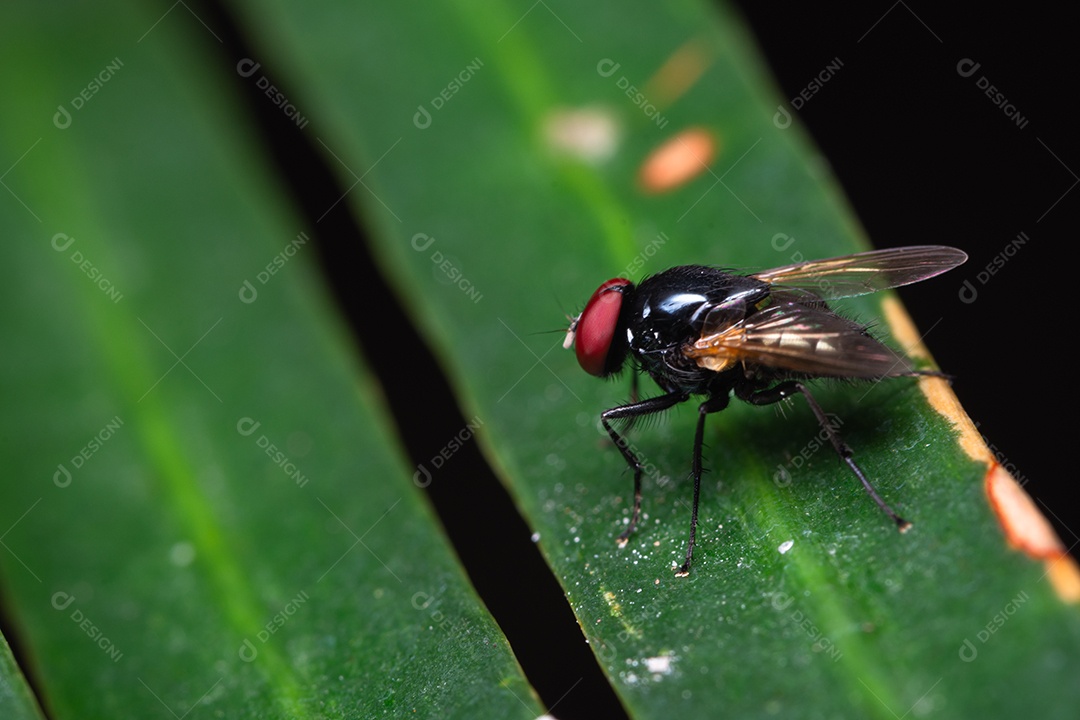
{"x": 804, "y": 601}
{"x": 16, "y": 697}
{"x": 204, "y": 508}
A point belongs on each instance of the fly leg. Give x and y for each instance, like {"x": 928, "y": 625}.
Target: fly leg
{"x": 713, "y": 404}
{"x": 631, "y": 411}
{"x": 789, "y": 388}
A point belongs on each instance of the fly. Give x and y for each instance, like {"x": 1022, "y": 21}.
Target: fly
{"x": 697, "y": 330}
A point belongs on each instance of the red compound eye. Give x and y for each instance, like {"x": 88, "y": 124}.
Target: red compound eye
{"x": 596, "y": 327}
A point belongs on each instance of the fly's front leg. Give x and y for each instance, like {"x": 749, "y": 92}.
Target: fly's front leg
{"x": 787, "y": 389}
{"x": 631, "y": 411}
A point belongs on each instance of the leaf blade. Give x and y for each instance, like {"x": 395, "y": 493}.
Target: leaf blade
{"x": 204, "y": 507}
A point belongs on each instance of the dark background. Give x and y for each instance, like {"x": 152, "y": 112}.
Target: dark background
{"x": 925, "y": 157}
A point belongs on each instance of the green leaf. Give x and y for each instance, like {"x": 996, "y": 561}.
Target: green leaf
{"x": 16, "y": 697}
{"x": 204, "y": 507}
{"x": 804, "y": 601}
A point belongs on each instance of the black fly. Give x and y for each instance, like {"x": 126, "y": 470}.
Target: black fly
{"x": 696, "y": 330}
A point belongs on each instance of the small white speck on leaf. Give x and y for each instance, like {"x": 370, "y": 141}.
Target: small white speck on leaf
{"x": 659, "y": 665}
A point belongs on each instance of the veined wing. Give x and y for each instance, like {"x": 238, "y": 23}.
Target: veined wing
{"x": 866, "y": 272}
{"x": 801, "y": 339}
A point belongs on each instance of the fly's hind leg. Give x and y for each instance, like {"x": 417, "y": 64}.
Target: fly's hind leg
{"x": 789, "y": 388}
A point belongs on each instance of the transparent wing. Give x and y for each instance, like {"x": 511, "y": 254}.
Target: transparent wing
{"x": 866, "y": 272}
{"x": 800, "y": 339}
